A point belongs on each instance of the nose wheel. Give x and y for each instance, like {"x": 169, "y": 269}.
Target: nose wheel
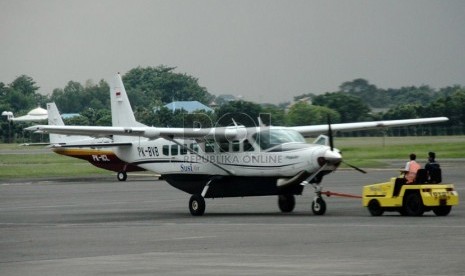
{"x": 318, "y": 206}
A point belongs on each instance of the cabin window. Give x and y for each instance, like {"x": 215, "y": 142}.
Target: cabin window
{"x": 236, "y": 146}
{"x": 166, "y": 150}
{"x": 194, "y": 147}
{"x": 184, "y": 149}
{"x": 209, "y": 146}
{"x": 174, "y": 149}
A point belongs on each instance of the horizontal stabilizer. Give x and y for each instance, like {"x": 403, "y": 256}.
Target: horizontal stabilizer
{"x": 97, "y": 145}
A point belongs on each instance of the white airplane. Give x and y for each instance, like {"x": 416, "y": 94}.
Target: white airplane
{"x": 74, "y": 146}
{"x": 233, "y": 161}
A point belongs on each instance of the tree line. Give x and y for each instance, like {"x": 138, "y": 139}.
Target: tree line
{"x": 150, "y": 88}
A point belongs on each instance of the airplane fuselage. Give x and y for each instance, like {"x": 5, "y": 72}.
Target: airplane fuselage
{"x": 235, "y": 168}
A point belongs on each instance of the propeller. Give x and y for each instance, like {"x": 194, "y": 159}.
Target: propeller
{"x": 331, "y": 145}
{"x": 353, "y": 167}
{"x": 330, "y": 134}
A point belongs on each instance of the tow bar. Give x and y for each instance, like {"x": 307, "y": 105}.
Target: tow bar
{"x": 328, "y": 194}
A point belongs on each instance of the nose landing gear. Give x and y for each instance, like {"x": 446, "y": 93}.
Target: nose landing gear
{"x": 318, "y": 204}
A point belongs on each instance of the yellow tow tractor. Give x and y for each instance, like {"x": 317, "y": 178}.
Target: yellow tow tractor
{"x": 410, "y": 199}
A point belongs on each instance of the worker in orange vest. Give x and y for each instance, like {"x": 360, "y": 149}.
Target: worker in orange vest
{"x": 411, "y": 168}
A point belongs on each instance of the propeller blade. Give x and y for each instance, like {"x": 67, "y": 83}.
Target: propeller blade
{"x": 353, "y": 167}
{"x": 331, "y": 145}
{"x": 330, "y": 134}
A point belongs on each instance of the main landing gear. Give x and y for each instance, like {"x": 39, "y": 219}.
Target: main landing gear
{"x": 197, "y": 201}
{"x": 286, "y": 203}
{"x": 197, "y": 205}
{"x": 122, "y": 176}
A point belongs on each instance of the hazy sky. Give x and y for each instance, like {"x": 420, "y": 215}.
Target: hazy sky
{"x": 266, "y": 51}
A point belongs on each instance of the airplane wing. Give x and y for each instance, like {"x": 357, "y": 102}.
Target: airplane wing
{"x": 223, "y": 132}
{"x": 148, "y": 132}
{"x": 319, "y": 129}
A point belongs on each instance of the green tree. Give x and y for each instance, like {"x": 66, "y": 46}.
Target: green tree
{"x": 273, "y": 115}
{"x": 97, "y": 95}
{"x": 70, "y": 99}
{"x": 406, "y": 111}
{"x": 77, "y": 121}
{"x": 97, "y": 117}
{"x": 369, "y": 93}
{"x": 350, "y": 108}
{"x": 151, "y": 86}
{"x": 242, "y": 112}
{"x": 302, "y": 113}
{"x": 453, "y": 107}
{"x": 412, "y": 95}
{"x": 24, "y": 85}
{"x": 75, "y": 97}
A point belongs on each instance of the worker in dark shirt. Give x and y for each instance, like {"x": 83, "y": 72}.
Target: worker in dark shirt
{"x": 433, "y": 169}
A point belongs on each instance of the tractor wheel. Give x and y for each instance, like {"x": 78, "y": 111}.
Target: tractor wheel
{"x": 375, "y": 208}
{"x": 442, "y": 211}
{"x": 413, "y": 205}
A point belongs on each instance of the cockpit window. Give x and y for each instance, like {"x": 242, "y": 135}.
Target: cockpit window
{"x": 274, "y": 137}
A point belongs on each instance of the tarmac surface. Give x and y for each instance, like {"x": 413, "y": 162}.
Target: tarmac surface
{"x": 143, "y": 227}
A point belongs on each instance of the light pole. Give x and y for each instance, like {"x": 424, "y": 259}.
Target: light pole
{"x": 9, "y": 117}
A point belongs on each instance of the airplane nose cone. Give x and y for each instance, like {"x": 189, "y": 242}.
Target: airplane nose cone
{"x": 332, "y": 157}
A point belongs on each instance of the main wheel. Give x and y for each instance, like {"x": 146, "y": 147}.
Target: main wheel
{"x": 122, "y": 176}
{"x": 413, "y": 205}
{"x": 319, "y": 206}
{"x": 197, "y": 205}
{"x": 286, "y": 203}
{"x": 442, "y": 210}
{"x": 375, "y": 208}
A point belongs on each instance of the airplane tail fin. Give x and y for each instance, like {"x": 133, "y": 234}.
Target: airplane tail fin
{"x": 121, "y": 110}
{"x": 54, "y": 118}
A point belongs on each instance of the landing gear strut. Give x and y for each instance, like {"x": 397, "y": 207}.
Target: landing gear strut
{"x": 197, "y": 201}
{"x": 318, "y": 204}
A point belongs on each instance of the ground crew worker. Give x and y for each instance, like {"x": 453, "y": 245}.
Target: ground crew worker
{"x": 433, "y": 169}
{"x": 411, "y": 168}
